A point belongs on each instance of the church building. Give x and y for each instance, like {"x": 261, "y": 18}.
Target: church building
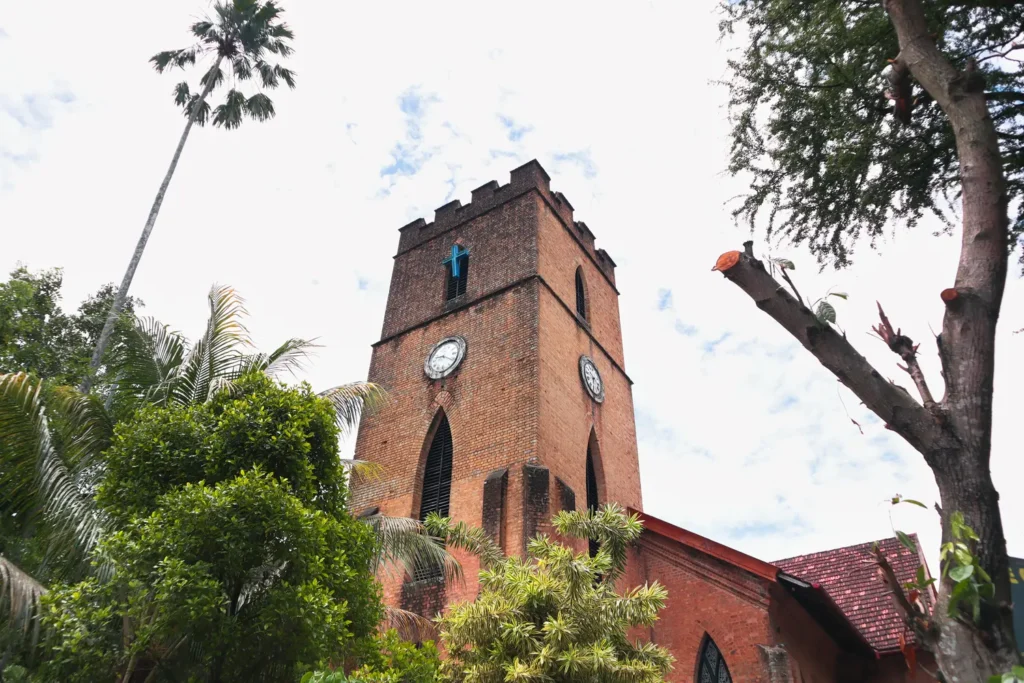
{"x": 510, "y": 401}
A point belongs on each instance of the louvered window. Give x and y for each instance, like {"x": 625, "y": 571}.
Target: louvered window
{"x": 457, "y": 284}
{"x": 437, "y": 484}
{"x": 592, "y": 501}
{"x": 581, "y": 297}
{"x": 437, "y": 475}
{"x": 711, "y": 666}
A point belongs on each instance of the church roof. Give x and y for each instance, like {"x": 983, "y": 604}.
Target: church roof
{"x": 851, "y": 578}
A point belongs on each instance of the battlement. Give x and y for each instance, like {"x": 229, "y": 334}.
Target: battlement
{"x": 528, "y": 177}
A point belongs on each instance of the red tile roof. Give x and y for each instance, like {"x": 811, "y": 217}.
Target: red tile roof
{"x": 850, "y": 576}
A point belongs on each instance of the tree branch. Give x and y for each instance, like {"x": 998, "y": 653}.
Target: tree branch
{"x": 892, "y": 403}
{"x": 906, "y": 349}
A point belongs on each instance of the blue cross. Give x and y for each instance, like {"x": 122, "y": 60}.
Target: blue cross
{"x": 457, "y": 253}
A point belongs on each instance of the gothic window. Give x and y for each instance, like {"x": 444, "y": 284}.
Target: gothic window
{"x": 581, "y": 295}
{"x": 711, "y": 666}
{"x": 592, "y": 500}
{"x": 457, "y": 282}
{"x": 437, "y": 481}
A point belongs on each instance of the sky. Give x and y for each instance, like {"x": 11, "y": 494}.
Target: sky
{"x": 402, "y": 107}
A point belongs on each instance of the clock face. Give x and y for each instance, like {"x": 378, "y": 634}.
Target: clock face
{"x": 591, "y": 379}
{"x": 445, "y": 357}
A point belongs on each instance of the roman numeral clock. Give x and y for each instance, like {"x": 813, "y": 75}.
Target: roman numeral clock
{"x": 445, "y": 357}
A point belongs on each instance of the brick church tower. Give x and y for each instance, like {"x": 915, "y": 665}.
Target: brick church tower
{"x": 502, "y": 355}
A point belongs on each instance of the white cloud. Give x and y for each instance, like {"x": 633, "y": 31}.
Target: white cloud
{"x": 749, "y": 444}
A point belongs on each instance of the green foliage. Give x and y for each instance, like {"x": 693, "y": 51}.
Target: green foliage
{"x": 1014, "y": 676}
{"x": 38, "y": 337}
{"x": 290, "y": 433}
{"x": 389, "y": 660}
{"x": 555, "y": 616}
{"x": 241, "y": 35}
{"x": 233, "y": 556}
{"x": 812, "y": 131}
{"x": 961, "y": 565}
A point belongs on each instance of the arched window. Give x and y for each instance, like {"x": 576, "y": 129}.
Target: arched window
{"x": 592, "y": 497}
{"x": 437, "y": 484}
{"x": 711, "y": 666}
{"x": 581, "y": 295}
{"x": 437, "y": 475}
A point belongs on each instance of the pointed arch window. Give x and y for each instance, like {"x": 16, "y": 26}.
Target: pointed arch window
{"x": 581, "y": 294}
{"x": 592, "y": 497}
{"x": 437, "y": 486}
{"x": 437, "y": 475}
{"x": 711, "y": 666}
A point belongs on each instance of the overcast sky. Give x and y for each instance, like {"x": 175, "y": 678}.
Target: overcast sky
{"x": 403, "y": 106}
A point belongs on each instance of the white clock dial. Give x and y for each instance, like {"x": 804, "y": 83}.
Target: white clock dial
{"x": 591, "y": 379}
{"x": 445, "y": 357}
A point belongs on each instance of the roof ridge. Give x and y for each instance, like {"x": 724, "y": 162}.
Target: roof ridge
{"x": 853, "y": 546}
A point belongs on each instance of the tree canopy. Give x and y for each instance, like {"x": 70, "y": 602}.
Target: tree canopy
{"x": 234, "y": 557}
{"x": 812, "y": 129}
{"x": 39, "y": 337}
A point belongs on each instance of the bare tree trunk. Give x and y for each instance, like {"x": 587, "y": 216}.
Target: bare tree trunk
{"x": 955, "y": 434}
{"x": 122, "y": 292}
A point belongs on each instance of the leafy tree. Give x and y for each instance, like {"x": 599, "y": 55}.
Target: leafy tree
{"x": 829, "y": 164}
{"x": 554, "y": 616}
{"x": 57, "y": 447}
{"x": 38, "y": 337}
{"x": 242, "y": 36}
{"x": 234, "y": 558}
{"x": 390, "y": 659}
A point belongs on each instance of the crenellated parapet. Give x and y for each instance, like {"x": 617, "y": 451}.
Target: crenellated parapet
{"x": 529, "y": 177}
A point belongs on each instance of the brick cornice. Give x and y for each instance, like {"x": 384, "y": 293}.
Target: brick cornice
{"x": 498, "y": 292}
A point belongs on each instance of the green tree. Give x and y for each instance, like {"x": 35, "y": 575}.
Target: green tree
{"x": 554, "y": 616}
{"x": 242, "y": 36}
{"x": 38, "y": 337}
{"x": 828, "y": 164}
{"x": 56, "y": 450}
{"x": 234, "y": 557}
{"x": 389, "y": 659}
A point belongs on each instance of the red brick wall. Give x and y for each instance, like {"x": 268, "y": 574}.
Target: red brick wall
{"x": 502, "y": 248}
{"x": 503, "y": 409}
{"x": 560, "y": 253}
{"x": 813, "y": 655}
{"x": 708, "y": 596}
{"x": 567, "y": 414}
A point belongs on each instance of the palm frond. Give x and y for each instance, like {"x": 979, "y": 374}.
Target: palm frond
{"x": 473, "y": 540}
{"x": 215, "y": 73}
{"x": 352, "y": 401}
{"x": 34, "y": 474}
{"x": 229, "y": 114}
{"x": 217, "y": 355}
{"x": 182, "y": 94}
{"x": 148, "y": 360}
{"x": 202, "y": 109}
{"x": 362, "y": 469}
{"x": 409, "y": 625}
{"x": 260, "y": 107}
{"x": 20, "y": 594}
{"x": 290, "y": 357}
{"x": 201, "y": 28}
{"x": 405, "y": 545}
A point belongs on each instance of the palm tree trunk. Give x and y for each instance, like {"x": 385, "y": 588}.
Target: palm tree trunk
{"x": 122, "y": 292}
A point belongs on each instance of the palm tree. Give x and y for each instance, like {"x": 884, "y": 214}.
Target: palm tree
{"x": 243, "y": 34}
{"x": 52, "y": 441}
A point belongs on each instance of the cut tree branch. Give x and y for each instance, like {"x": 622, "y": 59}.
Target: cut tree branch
{"x": 901, "y": 412}
{"x": 906, "y": 349}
